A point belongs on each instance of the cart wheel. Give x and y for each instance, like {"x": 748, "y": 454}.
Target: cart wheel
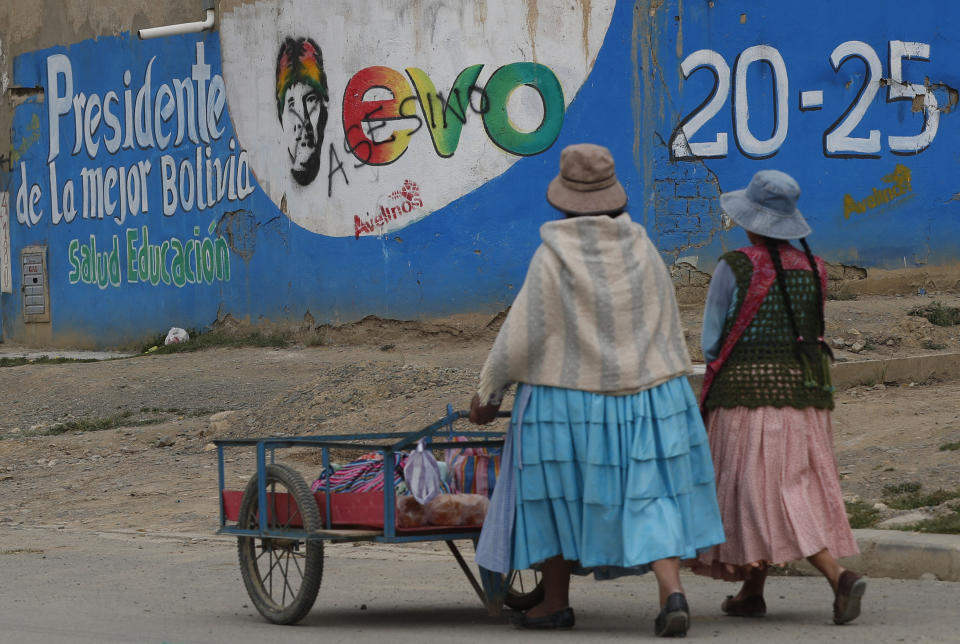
{"x": 524, "y": 589}
{"x": 282, "y": 576}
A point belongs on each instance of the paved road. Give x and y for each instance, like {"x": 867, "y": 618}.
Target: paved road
{"x": 75, "y": 586}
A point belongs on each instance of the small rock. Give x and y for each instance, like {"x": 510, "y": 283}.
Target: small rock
{"x": 166, "y": 441}
{"x": 881, "y": 507}
{"x": 853, "y": 332}
{"x": 890, "y": 342}
{"x": 209, "y": 447}
{"x": 857, "y": 347}
{"x": 929, "y": 576}
{"x": 839, "y": 343}
{"x": 41, "y": 461}
{"x": 51, "y": 462}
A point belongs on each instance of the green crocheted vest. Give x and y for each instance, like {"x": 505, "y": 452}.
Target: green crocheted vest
{"x": 764, "y": 368}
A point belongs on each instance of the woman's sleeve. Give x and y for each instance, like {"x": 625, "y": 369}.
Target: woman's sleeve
{"x": 720, "y": 295}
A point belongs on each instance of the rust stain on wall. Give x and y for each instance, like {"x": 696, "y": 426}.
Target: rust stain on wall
{"x": 417, "y": 11}
{"x": 585, "y": 8}
{"x": 533, "y": 14}
{"x": 680, "y": 31}
{"x": 480, "y": 11}
{"x": 647, "y": 103}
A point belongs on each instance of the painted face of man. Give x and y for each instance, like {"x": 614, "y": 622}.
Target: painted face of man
{"x": 303, "y": 120}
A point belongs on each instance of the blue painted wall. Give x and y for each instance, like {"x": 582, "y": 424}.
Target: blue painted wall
{"x": 471, "y": 255}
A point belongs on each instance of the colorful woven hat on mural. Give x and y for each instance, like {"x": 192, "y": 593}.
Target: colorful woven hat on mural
{"x": 768, "y": 206}
{"x": 587, "y": 183}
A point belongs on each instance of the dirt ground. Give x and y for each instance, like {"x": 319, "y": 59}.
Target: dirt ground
{"x": 156, "y": 472}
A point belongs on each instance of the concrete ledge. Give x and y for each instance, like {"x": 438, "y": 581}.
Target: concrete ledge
{"x": 900, "y": 555}
{"x": 940, "y": 366}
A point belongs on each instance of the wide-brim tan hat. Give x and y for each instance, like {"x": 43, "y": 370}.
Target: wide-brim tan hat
{"x": 587, "y": 183}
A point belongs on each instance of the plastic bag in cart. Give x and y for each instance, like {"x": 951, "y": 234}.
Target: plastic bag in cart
{"x": 422, "y": 475}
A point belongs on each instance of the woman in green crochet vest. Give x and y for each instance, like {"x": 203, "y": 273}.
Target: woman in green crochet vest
{"x": 766, "y": 400}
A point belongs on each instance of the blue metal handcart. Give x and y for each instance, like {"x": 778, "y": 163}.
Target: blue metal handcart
{"x": 281, "y": 550}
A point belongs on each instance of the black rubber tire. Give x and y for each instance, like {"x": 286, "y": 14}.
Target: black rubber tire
{"x": 281, "y": 553}
{"x": 523, "y": 594}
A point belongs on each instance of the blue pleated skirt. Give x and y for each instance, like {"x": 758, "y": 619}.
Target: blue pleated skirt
{"x": 613, "y": 481}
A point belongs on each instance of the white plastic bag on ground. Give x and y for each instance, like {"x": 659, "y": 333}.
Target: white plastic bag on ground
{"x": 176, "y": 335}
{"x": 422, "y": 475}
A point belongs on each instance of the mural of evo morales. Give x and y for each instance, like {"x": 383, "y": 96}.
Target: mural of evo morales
{"x": 431, "y": 97}
{"x": 302, "y": 99}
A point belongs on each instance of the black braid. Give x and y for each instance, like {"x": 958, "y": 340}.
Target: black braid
{"x": 782, "y": 281}
{"x": 816, "y": 278}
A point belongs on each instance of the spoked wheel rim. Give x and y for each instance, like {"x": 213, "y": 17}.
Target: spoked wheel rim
{"x": 282, "y": 575}
{"x": 524, "y": 589}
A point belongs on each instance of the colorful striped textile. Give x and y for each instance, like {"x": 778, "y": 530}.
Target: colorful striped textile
{"x": 365, "y": 474}
{"x": 473, "y": 470}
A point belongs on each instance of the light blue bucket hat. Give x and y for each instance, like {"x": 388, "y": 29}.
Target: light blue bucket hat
{"x": 768, "y": 206}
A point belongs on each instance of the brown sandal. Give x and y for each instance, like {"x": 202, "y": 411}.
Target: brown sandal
{"x": 751, "y": 606}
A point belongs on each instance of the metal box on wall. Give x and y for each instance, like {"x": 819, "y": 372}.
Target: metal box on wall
{"x": 35, "y": 287}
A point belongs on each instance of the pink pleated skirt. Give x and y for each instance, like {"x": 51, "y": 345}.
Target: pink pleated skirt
{"x": 778, "y": 489}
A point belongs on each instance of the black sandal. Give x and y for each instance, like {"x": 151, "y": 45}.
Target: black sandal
{"x": 674, "y": 619}
{"x": 559, "y": 620}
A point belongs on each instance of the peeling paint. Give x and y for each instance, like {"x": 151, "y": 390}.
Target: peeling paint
{"x": 4, "y": 78}
{"x": 843, "y": 272}
{"x": 21, "y": 95}
{"x": 239, "y": 228}
{"x": 918, "y": 104}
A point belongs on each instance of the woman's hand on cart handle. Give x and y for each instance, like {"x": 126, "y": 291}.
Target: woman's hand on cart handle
{"x": 482, "y": 414}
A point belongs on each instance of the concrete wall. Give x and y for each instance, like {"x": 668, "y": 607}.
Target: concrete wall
{"x": 407, "y": 178}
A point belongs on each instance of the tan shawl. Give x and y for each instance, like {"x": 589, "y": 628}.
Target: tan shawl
{"x": 597, "y": 312}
